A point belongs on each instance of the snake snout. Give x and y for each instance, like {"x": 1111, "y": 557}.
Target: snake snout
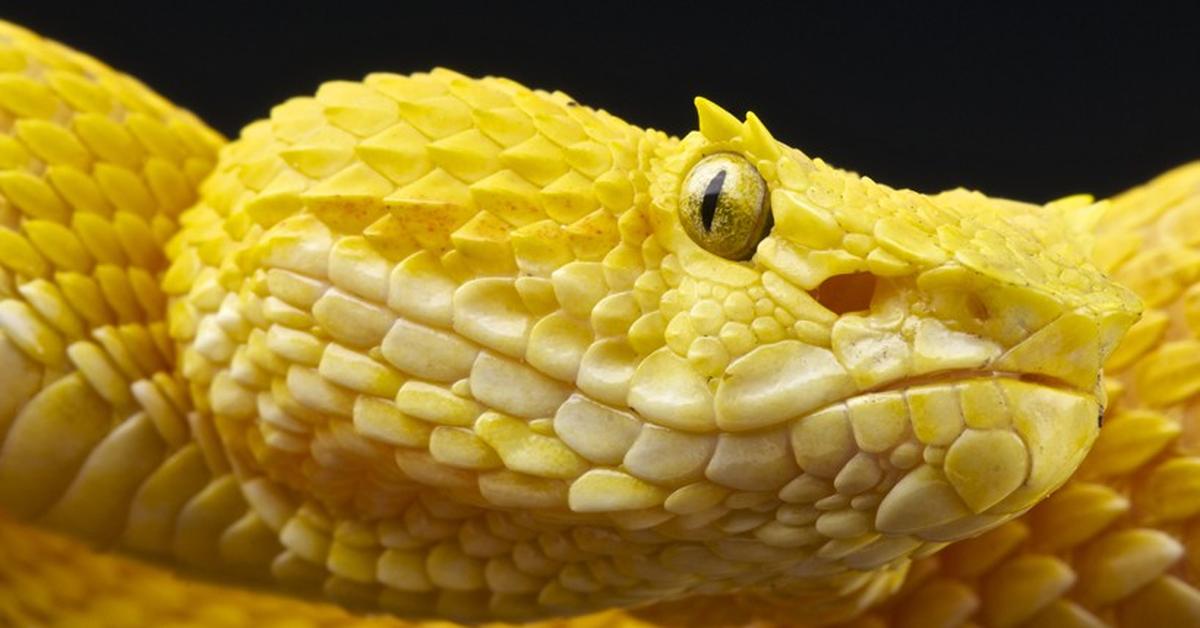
{"x": 1070, "y": 350}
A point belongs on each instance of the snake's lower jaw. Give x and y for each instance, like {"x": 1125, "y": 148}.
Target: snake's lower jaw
{"x": 979, "y": 450}
{"x": 977, "y": 426}
{"x": 1018, "y": 442}
{"x": 912, "y": 469}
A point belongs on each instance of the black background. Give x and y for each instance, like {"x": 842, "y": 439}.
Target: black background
{"x": 1019, "y": 101}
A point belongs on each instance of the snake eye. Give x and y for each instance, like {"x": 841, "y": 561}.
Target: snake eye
{"x": 723, "y": 206}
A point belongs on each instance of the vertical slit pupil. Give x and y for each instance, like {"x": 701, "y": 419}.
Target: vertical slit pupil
{"x": 712, "y": 194}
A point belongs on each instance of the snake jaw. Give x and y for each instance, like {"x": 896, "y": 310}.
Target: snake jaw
{"x": 951, "y": 448}
{"x": 960, "y": 362}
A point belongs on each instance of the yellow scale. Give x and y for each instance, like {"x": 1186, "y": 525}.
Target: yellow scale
{"x": 440, "y": 348}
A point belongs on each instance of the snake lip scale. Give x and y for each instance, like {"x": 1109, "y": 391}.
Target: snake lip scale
{"x": 969, "y": 374}
{"x": 434, "y": 347}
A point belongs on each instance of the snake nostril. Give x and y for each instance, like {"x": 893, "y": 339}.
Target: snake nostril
{"x": 842, "y": 294}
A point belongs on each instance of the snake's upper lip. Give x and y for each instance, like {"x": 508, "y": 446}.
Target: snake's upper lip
{"x": 960, "y": 392}
{"x": 958, "y": 375}
{"x": 790, "y": 379}
{"x": 948, "y": 380}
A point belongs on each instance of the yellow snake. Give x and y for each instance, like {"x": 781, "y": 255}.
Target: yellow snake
{"x": 429, "y": 347}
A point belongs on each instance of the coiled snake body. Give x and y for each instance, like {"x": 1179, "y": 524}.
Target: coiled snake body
{"x": 432, "y": 347}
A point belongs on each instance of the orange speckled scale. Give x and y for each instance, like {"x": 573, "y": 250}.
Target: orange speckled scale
{"x": 431, "y": 347}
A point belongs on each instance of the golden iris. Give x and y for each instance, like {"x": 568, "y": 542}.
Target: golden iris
{"x": 723, "y": 206}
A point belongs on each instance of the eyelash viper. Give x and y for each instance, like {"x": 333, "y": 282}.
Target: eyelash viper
{"x": 438, "y": 347}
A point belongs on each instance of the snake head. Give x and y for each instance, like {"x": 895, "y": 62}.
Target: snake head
{"x": 901, "y": 369}
{"x": 478, "y": 351}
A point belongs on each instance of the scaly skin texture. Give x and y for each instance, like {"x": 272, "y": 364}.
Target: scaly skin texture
{"x": 1118, "y": 545}
{"x": 441, "y": 347}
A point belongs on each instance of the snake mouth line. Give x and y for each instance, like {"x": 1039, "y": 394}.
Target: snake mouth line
{"x": 961, "y": 375}
{"x": 950, "y": 378}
